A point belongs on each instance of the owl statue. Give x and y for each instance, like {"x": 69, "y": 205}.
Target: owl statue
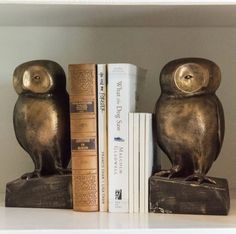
{"x": 41, "y": 116}
{"x": 189, "y": 118}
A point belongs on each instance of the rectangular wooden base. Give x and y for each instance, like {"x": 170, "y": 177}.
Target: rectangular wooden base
{"x": 185, "y": 197}
{"x": 43, "y": 192}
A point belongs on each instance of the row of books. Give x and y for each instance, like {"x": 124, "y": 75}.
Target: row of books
{"x": 111, "y": 149}
{"x": 140, "y": 160}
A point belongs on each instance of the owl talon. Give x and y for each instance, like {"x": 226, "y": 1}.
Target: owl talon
{"x": 175, "y": 171}
{"x": 200, "y": 179}
{"x": 30, "y": 175}
{"x": 173, "y": 174}
{"x": 163, "y": 173}
{"x": 61, "y": 171}
{"x": 209, "y": 180}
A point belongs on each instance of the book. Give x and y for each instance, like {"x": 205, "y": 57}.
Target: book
{"x": 102, "y": 137}
{"x": 122, "y": 86}
{"x": 83, "y": 122}
{"x": 148, "y": 164}
{"x": 136, "y": 162}
{"x": 140, "y": 160}
{"x": 131, "y": 162}
{"x": 142, "y": 156}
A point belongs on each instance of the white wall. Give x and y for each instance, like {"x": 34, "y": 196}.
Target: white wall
{"x": 150, "y": 48}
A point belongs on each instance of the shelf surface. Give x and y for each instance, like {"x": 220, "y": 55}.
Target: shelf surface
{"x": 28, "y": 220}
{"x": 104, "y": 13}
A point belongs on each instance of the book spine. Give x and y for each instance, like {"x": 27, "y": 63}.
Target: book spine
{"x": 142, "y": 146}
{"x": 136, "y": 162}
{"x": 120, "y": 99}
{"x": 131, "y": 162}
{"x": 148, "y": 158}
{"x": 102, "y": 137}
{"x": 83, "y": 120}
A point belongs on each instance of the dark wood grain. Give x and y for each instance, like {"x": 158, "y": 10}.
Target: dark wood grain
{"x": 185, "y": 197}
{"x": 42, "y": 192}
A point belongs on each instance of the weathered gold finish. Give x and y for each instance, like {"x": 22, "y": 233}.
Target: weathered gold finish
{"x": 41, "y": 116}
{"x": 189, "y": 117}
{"x": 184, "y": 78}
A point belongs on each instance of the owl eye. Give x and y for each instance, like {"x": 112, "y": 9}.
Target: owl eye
{"x": 37, "y": 78}
{"x": 187, "y": 77}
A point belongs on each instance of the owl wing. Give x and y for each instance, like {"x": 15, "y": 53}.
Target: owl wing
{"x": 221, "y": 124}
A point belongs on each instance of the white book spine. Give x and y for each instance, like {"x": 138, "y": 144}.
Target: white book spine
{"x": 121, "y": 101}
{"x": 148, "y": 157}
{"x": 142, "y": 146}
{"x": 102, "y": 137}
{"x": 131, "y": 162}
{"x": 136, "y": 163}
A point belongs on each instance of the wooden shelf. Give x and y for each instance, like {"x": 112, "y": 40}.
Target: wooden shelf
{"x": 28, "y": 220}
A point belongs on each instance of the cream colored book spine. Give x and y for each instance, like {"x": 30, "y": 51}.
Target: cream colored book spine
{"x": 131, "y": 162}
{"x": 102, "y": 137}
{"x": 136, "y": 163}
{"x": 148, "y": 158}
{"x": 142, "y": 146}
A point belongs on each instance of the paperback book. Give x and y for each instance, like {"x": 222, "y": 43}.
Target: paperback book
{"x": 140, "y": 160}
{"x": 122, "y": 91}
{"x": 102, "y": 136}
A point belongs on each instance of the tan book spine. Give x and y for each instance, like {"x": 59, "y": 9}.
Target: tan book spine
{"x": 83, "y": 117}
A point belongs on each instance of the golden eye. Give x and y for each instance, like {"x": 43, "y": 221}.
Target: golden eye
{"x": 191, "y": 77}
{"x": 37, "y": 78}
{"x": 188, "y": 77}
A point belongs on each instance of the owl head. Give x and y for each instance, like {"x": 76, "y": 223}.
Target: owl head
{"x": 39, "y": 77}
{"x": 190, "y": 76}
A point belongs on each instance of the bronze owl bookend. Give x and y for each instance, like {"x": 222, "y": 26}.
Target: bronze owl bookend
{"x": 190, "y": 131}
{"x": 42, "y": 127}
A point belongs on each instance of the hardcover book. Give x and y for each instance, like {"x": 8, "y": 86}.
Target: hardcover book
{"x": 83, "y": 120}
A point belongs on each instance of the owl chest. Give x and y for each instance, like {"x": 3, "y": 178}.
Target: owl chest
{"x": 183, "y": 117}
{"x": 37, "y": 118}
